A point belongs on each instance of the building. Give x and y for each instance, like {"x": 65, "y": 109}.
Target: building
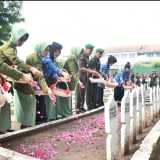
{"x": 132, "y": 54}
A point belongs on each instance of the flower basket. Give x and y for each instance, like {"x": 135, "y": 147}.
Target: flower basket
{"x": 60, "y": 91}
{"x": 129, "y": 86}
{"x": 95, "y": 80}
{"x": 63, "y": 79}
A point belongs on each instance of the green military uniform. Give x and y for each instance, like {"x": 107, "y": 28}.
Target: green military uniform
{"x": 5, "y": 117}
{"x": 71, "y": 65}
{"x": 35, "y": 61}
{"x": 8, "y": 55}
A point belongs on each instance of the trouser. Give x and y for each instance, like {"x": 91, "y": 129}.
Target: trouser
{"x": 118, "y": 93}
{"x": 79, "y": 96}
{"x": 41, "y": 109}
{"x": 91, "y": 95}
{"x": 100, "y": 92}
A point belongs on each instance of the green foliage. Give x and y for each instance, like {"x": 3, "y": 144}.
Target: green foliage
{"x": 9, "y": 15}
{"x": 140, "y": 64}
{"x": 156, "y": 64}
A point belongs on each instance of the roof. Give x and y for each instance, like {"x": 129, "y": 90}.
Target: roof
{"x": 134, "y": 48}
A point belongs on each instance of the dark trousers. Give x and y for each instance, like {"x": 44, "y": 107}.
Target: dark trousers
{"x": 79, "y": 96}
{"x": 118, "y": 93}
{"x": 91, "y": 95}
{"x": 100, "y": 92}
{"x": 41, "y": 109}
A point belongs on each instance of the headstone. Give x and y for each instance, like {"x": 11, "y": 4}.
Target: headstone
{"x": 144, "y": 119}
{"x": 154, "y": 102}
{"x": 158, "y": 99}
{"x": 151, "y": 104}
{"x": 111, "y": 125}
{"x": 139, "y": 110}
{"x": 133, "y": 115}
{"x": 125, "y": 121}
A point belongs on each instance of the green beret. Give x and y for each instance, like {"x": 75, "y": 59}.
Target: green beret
{"x": 90, "y": 46}
{"x": 99, "y": 50}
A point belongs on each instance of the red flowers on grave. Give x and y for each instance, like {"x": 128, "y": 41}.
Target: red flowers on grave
{"x": 67, "y": 91}
{"x": 40, "y": 154}
{"x": 67, "y": 148}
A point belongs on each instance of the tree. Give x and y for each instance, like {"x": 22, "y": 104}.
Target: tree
{"x": 9, "y": 15}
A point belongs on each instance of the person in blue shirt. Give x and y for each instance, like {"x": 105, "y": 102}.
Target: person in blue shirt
{"x": 104, "y": 69}
{"x": 121, "y": 78}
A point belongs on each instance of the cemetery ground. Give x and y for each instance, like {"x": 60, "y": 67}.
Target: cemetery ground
{"x": 83, "y": 138}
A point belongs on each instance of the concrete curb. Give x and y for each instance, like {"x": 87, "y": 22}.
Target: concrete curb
{"x": 149, "y": 149}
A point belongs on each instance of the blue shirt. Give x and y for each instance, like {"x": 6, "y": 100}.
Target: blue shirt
{"x": 105, "y": 69}
{"x": 49, "y": 68}
{"x": 122, "y": 76}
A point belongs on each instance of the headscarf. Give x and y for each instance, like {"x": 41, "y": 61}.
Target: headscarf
{"x": 128, "y": 65}
{"x": 16, "y": 34}
{"x": 53, "y": 47}
{"x": 40, "y": 47}
{"x": 75, "y": 51}
{"x": 111, "y": 60}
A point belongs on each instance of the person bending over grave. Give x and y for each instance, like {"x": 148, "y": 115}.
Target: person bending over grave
{"x": 121, "y": 78}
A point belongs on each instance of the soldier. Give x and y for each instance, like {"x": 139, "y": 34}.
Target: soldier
{"x": 153, "y": 80}
{"x": 138, "y": 80}
{"x": 94, "y": 64}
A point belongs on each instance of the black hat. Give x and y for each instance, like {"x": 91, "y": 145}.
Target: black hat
{"x": 128, "y": 65}
{"x": 112, "y": 59}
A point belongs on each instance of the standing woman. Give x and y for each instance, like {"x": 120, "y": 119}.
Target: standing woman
{"x": 5, "y": 112}
{"x": 35, "y": 59}
{"x": 63, "y": 104}
{"x": 24, "y": 98}
{"x": 8, "y": 57}
{"x": 71, "y": 65}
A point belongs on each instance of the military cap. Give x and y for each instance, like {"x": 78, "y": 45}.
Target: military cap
{"x": 90, "y": 46}
{"x": 99, "y": 50}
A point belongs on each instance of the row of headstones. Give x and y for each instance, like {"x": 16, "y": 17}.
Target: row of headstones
{"x": 133, "y": 118}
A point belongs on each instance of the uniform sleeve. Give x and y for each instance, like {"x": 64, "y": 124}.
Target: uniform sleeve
{"x": 10, "y": 72}
{"x": 11, "y": 55}
{"x": 40, "y": 79}
{"x": 82, "y": 61}
{"x": 73, "y": 71}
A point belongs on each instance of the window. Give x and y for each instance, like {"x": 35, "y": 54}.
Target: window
{"x": 133, "y": 55}
{"x": 157, "y": 54}
{"x": 150, "y": 55}
{"x": 123, "y": 55}
{"x": 116, "y": 55}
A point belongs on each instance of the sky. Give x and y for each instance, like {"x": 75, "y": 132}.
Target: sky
{"x": 101, "y": 23}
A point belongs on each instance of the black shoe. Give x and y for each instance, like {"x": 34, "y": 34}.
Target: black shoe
{"x": 84, "y": 110}
{"x": 2, "y": 132}
{"x": 23, "y": 126}
{"x": 95, "y": 106}
{"x": 10, "y": 130}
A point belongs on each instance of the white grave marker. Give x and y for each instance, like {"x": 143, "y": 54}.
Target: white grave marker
{"x": 125, "y": 120}
{"x": 139, "y": 110}
{"x": 111, "y": 126}
{"x": 151, "y": 104}
{"x": 154, "y": 102}
{"x": 144, "y": 119}
{"x": 133, "y": 114}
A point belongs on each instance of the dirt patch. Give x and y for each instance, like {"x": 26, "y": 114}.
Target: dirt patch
{"x": 83, "y": 138}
